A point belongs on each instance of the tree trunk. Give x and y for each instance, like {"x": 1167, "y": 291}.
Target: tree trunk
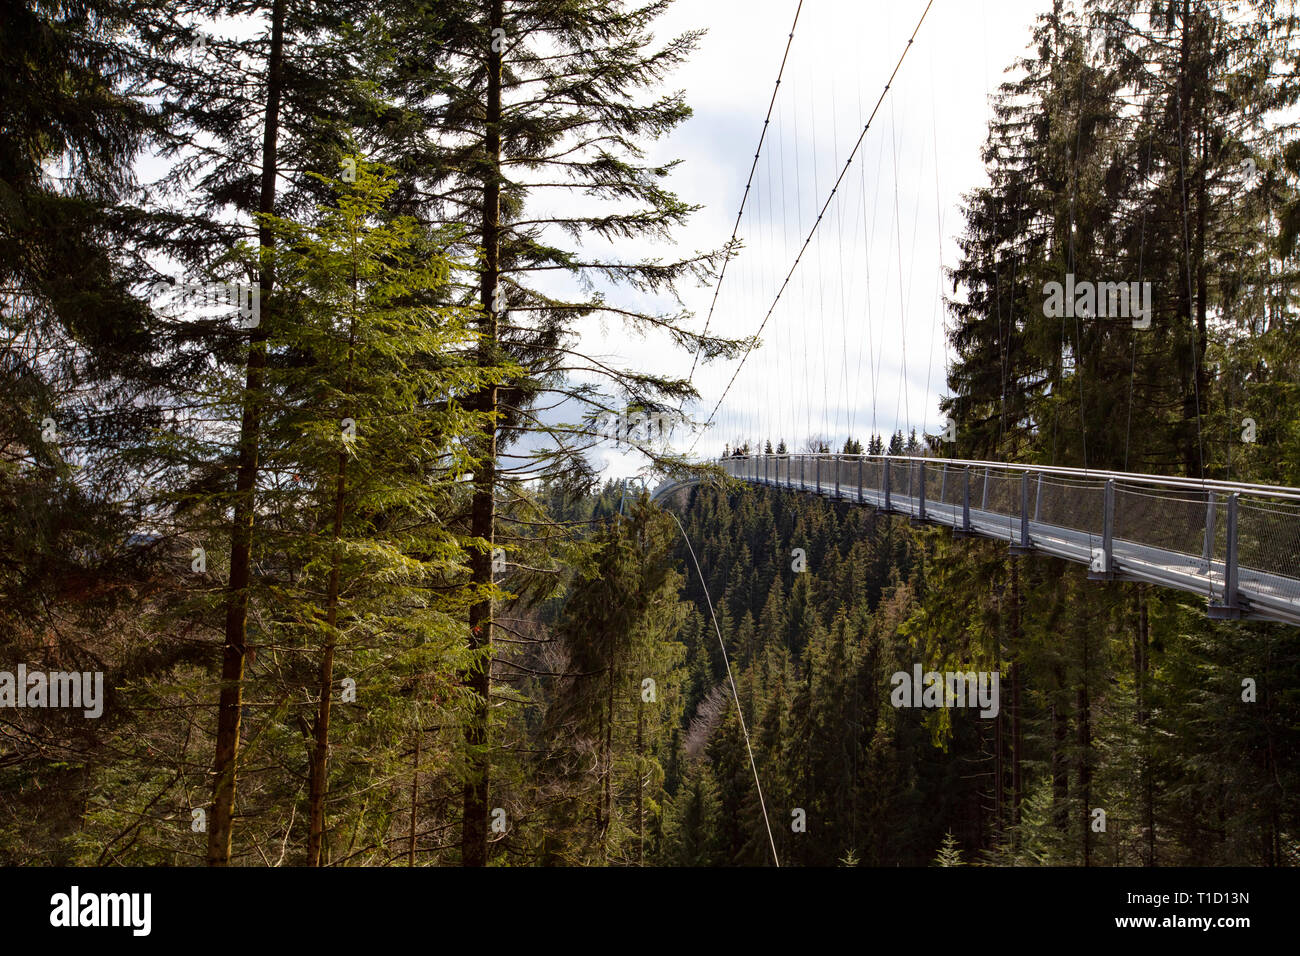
{"x": 1017, "y": 742}
{"x": 1142, "y": 670}
{"x": 415, "y": 792}
{"x": 230, "y": 704}
{"x": 1085, "y": 765}
{"x": 1192, "y": 303}
{"x": 607, "y": 765}
{"x": 640, "y": 785}
{"x": 1060, "y": 769}
{"x": 999, "y": 741}
{"x": 1201, "y": 396}
{"x": 320, "y": 748}
{"x": 474, "y": 830}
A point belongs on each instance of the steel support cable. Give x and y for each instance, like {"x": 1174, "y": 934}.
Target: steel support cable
{"x": 825, "y": 205}
{"x": 875, "y": 350}
{"x": 911, "y": 263}
{"x": 820, "y": 288}
{"x": 1003, "y": 338}
{"x": 1187, "y": 240}
{"x": 860, "y": 227}
{"x": 1191, "y": 305}
{"x": 844, "y": 307}
{"x": 753, "y": 166}
{"x": 765, "y": 222}
{"x": 798, "y": 207}
{"x": 734, "y": 693}
{"x": 938, "y": 225}
{"x": 1074, "y": 198}
{"x": 1142, "y": 244}
{"x": 785, "y": 231}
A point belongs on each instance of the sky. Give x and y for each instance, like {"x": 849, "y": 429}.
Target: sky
{"x": 856, "y": 342}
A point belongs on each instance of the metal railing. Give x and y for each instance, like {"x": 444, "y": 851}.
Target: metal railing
{"x": 1236, "y": 544}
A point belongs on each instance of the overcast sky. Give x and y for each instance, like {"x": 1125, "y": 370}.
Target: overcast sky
{"x": 857, "y": 338}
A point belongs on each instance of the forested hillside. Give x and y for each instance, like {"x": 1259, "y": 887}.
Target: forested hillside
{"x": 1118, "y": 697}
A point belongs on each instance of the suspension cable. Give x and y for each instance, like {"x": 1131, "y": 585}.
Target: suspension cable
{"x": 740, "y": 212}
{"x": 839, "y": 179}
{"x": 734, "y": 693}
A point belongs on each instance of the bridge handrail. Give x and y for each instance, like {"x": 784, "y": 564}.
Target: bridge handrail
{"x": 1199, "y": 484}
{"x": 1236, "y": 543}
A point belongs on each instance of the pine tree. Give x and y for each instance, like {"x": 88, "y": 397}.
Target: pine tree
{"x": 950, "y": 852}
{"x": 541, "y": 96}
{"x": 294, "y": 123}
{"x": 379, "y": 423}
{"x": 621, "y": 682}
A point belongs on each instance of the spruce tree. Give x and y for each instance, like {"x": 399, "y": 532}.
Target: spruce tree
{"x": 526, "y": 97}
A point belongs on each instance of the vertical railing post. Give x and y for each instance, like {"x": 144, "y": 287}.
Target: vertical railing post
{"x": 965, "y": 503}
{"x": 819, "y": 474}
{"x": 836, "y": 466}
{"x": 920, "y": 473}
{"x": 1108, "y": 525}
{"x": 1102, "y": 567}
{"x": 1038, "y": 496}
{"x": 1024, "y": 511}
{"x": 1023, "y": 546}
{"x": 1207, "y": 551}
{"x": 887, "y": 506}
{"x": 984, "y": 501}
{"x": 1231, "y": 606}
{"x": 861, "y": 493}
{"x": 1230, "y": 579}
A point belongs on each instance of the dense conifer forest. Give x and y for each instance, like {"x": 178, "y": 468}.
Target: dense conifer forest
{"x": 1117, "y": 697}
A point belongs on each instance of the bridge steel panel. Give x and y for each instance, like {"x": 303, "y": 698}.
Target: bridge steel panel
{"x": 1122, "y": 526}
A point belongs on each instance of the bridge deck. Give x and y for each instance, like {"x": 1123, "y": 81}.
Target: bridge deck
{"x": 1236, "y": 545}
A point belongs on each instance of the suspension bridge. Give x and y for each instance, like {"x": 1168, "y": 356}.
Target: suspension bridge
{"x": 1235, "y": 544}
